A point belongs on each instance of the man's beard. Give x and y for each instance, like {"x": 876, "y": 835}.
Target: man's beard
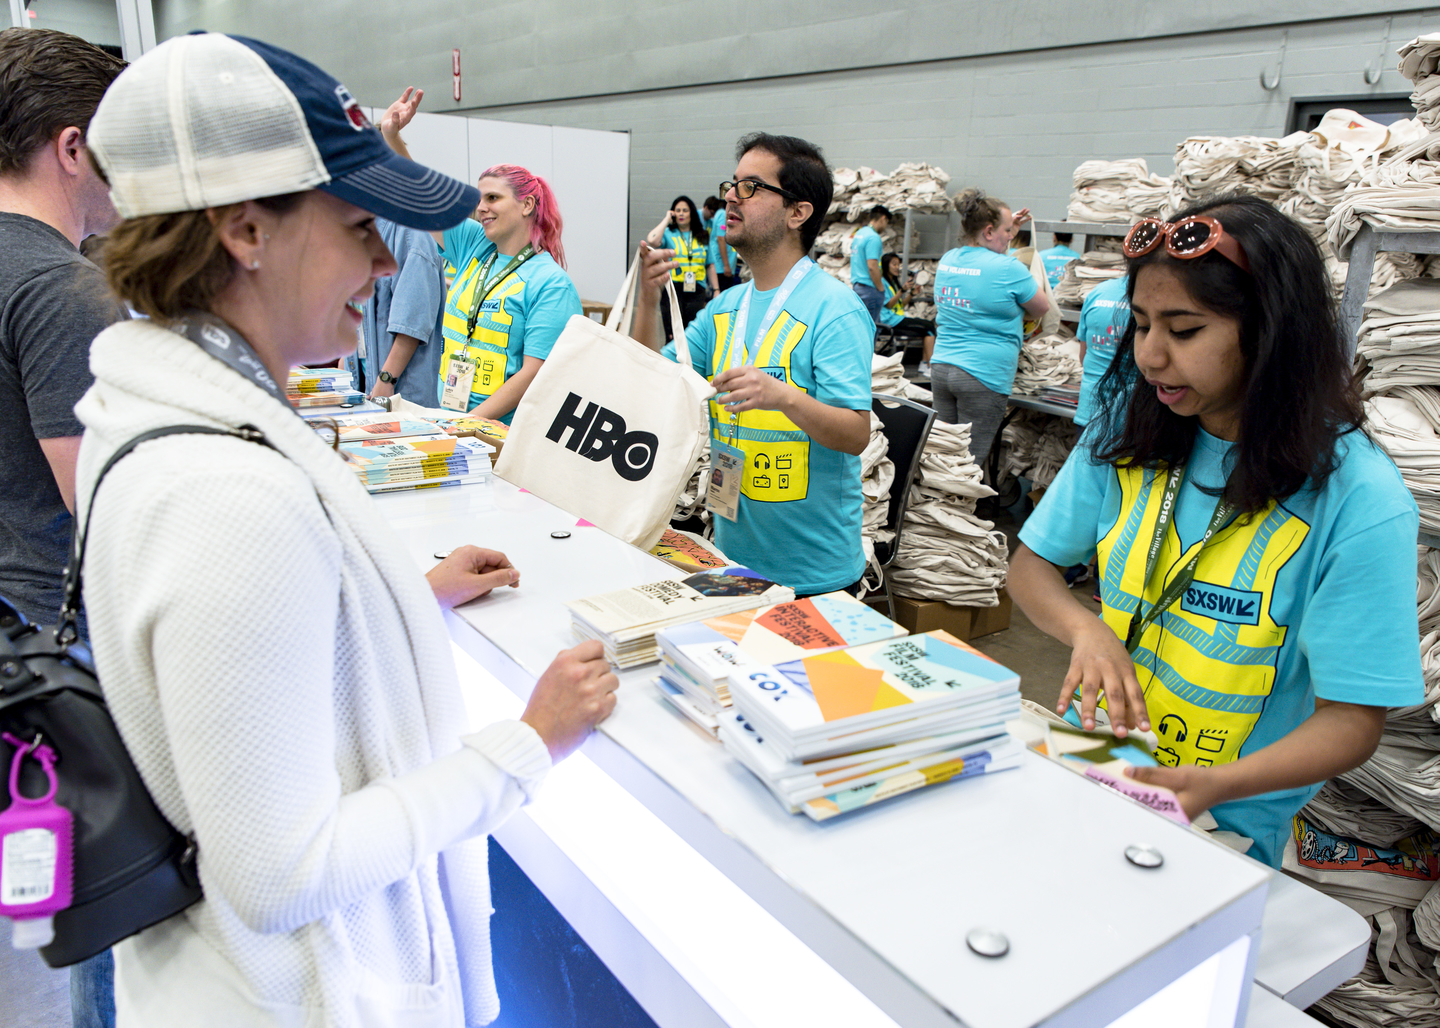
{"x": 760, "y": 246}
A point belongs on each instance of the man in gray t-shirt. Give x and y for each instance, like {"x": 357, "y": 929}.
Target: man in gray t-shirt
{"x": 52, "y": 304}
{"x": 52, "y": 300}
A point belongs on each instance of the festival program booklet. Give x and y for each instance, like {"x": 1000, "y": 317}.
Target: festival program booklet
{"x": 848, "y": 699}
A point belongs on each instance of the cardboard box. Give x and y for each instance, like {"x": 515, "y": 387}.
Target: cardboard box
{"x": 963, "y": 623}
{"x": 594, "y": 310}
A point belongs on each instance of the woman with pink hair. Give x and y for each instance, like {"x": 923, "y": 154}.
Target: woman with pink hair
{"x": 511, "y": 297}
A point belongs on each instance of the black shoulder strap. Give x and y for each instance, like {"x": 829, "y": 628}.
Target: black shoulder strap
{"x": 65, "y": 631}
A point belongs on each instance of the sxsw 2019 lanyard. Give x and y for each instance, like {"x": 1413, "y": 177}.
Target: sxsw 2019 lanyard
{"x": 1186, "y": 575}
{"x": 485, "y": 285}
{"x": 458, "y": 380}
{"x": 229, "y": 347}
{"x": 727, "y": 465}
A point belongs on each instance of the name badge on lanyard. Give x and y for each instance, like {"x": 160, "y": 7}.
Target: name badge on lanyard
{"x": 459, "y": 375}
{"x": 727, "y": 461}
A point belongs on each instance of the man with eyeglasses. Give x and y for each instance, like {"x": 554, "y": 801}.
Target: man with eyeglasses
{"x": 790, "y": 355}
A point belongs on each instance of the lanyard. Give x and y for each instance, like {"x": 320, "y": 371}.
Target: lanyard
{"x": 777, "y": 302}
{"x": 226, "y": 345}
{"x": 485, "y": 285}
{"x": 1186, "y": 574}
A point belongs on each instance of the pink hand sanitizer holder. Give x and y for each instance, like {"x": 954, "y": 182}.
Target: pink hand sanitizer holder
{"x": 36, "y": 852}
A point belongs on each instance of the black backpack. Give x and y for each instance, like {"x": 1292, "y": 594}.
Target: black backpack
{"x": 132, "y": 868}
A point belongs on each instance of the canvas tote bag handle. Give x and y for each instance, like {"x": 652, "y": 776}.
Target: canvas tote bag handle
{"x": 622, "y": 314}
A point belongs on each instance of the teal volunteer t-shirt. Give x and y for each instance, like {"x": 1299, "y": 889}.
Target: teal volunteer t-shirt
{"x": 978, "y": 318}
{"x": 890, "y": 316}
{"x": 1271, "y": 620}
{"x": 1103, "y": 320}
{"x": 522, "y": 317}
{"x": 1055, "y": 260}
{"x": 799, "y": 513}
{"x": 717, "y": 229}
{"x": 866, "y": 245}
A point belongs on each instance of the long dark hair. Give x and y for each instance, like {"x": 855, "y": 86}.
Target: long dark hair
{"x": 1299, "y": 395}
{"x": 698, "y": 228}
{"x": 894, "y": 280}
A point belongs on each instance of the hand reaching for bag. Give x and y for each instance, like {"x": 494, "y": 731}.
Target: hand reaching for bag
{"x": 576, "y": 693}
{"x": 655, "y": 267}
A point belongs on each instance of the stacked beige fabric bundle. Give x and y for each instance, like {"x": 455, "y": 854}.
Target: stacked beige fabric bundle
{"x": 1401, "y": 194}
{"x": 1035, "y": 445}
{"x": 1113, "y": 192}
{"x": 1420, "y": 63}
{"x": 1207, "y": 165}
{"x": 1096, "y": 265}
{"x": 1047, "y": 360}
{"x": 877, "y": 478}
{"x": 912, "y": 186}
{"x": 946, "y": 552}
{"x": 1403, "y": 424}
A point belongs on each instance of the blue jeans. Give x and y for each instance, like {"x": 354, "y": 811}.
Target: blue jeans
{"x": 871, "y": 297}
{"x": 92, "y": 992}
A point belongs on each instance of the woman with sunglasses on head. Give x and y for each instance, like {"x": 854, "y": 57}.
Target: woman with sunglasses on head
{"x": 277, "y": 666}
{"x": 511, "y": 297}
{"x": 1249, "y": 533}
{"x": 685, "y": 231}
{"x": 981, "y": 298}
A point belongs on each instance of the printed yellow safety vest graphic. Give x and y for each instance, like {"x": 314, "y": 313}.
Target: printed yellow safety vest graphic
{"x": 1208, "y": 672}
{"x": 777, "y": 452}
{"x": 691, "y": 257}
{"x": 488, "y": 349}
{"x": 892, "y": 301}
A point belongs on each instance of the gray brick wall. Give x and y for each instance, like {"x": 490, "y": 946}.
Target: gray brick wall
{"x": 1015, "y": 124}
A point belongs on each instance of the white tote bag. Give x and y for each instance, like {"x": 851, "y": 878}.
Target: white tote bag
{"x": 610, "y": 430}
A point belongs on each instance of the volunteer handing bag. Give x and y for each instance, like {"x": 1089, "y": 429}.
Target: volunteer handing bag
{"x": 610, "y": 430}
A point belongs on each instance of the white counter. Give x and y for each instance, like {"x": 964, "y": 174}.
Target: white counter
{"x": 714, "y": 906}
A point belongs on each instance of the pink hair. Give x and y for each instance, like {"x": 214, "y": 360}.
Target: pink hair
{"x": 546, "y": 223}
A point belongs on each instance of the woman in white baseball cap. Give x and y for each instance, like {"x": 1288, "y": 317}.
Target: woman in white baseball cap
{"x": 279, "y": 669}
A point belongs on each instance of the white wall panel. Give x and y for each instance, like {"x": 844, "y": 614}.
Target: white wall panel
{"x": 504, "y": 142}
{"x": 589, "y": 166}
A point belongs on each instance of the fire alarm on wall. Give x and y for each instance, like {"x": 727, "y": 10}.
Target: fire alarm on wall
{"x": 455, "y": 70}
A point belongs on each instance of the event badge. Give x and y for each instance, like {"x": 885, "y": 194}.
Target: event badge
{"x": 459, "y": 374}
{"x": 689, "y": 281}
{"x": 727, "y": 466}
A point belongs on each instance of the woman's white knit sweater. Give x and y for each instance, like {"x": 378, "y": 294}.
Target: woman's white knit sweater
{"x": 281, "y": 674}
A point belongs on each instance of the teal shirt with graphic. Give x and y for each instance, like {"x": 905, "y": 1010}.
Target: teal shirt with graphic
{"x": 1272, "y": 619}
{"x": 717, "y": 229}
{"x": 978, "y": 317}
{"x": 888, "y": 315}
{"x": 799, "y": 514}
{"x": 1055, "y": 260}
{"x": 1103, "y": 320}
{"x": 522, "y": 317}
{"x": 866, "y": 245}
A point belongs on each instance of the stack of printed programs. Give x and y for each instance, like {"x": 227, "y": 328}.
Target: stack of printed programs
{"x": 416, "y": 462}
{"x": 831, "y": 733}
{"x": 698, "y": 659}
{"x": 625, "y": 621}
{"x": 321, "y": 387}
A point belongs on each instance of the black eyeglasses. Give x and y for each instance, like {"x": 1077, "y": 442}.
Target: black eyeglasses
{"x": 745, "y": 189}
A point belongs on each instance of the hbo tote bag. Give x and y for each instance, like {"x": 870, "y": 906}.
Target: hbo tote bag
{"x": 610, "y": 430}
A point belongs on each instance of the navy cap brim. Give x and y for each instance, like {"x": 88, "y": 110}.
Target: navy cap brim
{"x": 407, "y": 193}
